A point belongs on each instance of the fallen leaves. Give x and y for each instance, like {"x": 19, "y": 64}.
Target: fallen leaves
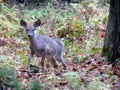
{"x": 102, "y": 35}
{"x": 82, "y": 68}
{"x": 2, "y": 42}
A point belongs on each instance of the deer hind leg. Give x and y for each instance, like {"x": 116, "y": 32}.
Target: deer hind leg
{"x": 60, "y": 59}
{"x": 52, "y": 60}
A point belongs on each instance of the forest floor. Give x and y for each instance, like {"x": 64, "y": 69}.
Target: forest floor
{"x": 81, "y": 27}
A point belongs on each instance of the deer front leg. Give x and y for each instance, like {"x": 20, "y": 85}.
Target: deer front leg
{"x": 43, "y": 59}
{"x": 29, "y": 58}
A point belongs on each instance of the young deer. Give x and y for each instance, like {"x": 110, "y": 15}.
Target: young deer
{"x": 44, "y": 46}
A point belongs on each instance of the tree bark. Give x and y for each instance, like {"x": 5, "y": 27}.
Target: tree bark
{"x": 111, "y": 47}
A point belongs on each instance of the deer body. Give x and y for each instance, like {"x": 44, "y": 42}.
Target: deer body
{"x": 49, "y": 45}
{"x": 44, "y": 46}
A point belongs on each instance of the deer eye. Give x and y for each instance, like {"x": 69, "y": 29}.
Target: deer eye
{"x": 32, "y": 29}
{"x": 26, "y": 29}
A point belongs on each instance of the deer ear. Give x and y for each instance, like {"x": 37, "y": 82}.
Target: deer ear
{"x": 37, "y": 23}
{"x": 23, "y": 23}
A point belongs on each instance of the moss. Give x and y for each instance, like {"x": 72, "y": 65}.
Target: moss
{"x": 105, "y": 51}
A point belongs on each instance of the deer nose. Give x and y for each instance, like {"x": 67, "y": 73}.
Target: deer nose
{"x": 29, "y": 35}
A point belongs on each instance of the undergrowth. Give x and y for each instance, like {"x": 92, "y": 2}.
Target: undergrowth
{"x": 80, "y": 26}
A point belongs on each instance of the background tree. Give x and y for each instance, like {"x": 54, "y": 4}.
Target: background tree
{"x": 111, "y": 46}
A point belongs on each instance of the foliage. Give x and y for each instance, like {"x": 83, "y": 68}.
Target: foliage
{"x": 23, "y": 1}
{"x": 80, "y": 26}
{"x": 35, "y": 85}
{"x": 103, "y": 2}
{"x": 75, "y": 1}
{"x": 71, "y": 30}
{"x": 8, "y": 78}
{"x": 100, "y": 85}
{"x": 74, "y": 80}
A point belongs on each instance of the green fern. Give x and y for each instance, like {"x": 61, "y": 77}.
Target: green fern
{"x": 8, "y": 78}
{"x": 36, "y": 85}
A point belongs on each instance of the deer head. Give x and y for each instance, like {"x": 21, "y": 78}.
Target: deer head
{"x": 30, "y": 28}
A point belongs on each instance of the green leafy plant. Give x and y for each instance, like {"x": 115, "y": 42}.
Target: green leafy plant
{"x": 8, "y": 78}
{"x": 35, "y": 85}
{"x": 96, "y": 84}
{"x": 73, "y": 78}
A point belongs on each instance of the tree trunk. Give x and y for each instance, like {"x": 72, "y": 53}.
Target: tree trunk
{"x": 112, "y": 39}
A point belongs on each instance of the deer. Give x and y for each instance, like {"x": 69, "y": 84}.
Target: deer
{"x": 43, "y": 46}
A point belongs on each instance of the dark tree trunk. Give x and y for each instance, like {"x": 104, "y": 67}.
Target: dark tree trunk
{"x": 111, "y": 47}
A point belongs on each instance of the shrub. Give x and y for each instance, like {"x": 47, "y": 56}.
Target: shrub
{"x": 35, "y": 85}
{"x": 8, "y": 79}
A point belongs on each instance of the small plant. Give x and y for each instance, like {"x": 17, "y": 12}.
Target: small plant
{"x": 73, "y": 78}
{"x": 8, "y": 79}
{"x": 36, "y": 85}
{"x": 71, "y": 30}
{"x": 96, "y": 84}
